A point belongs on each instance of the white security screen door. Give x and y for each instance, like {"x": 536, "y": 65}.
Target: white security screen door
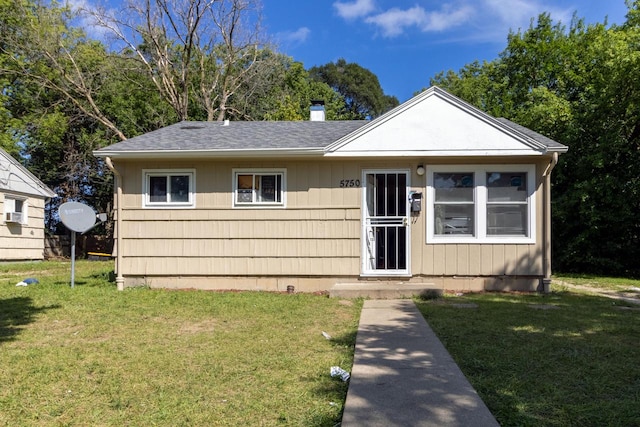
{"x": 385, "y": 224}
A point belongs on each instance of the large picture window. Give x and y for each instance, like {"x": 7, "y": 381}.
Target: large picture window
{"x": 264, "y": 187}
{"x": 169, "y": 188}
{"x": 481, "y": 204}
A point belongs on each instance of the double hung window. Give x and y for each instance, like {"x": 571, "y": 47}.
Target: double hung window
{"x": 265, "y": 187}
{"x": 454, "y": 203}
{"x": 481, "y": 204}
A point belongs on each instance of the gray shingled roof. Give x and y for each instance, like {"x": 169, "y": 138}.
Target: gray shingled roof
{"x": 240, "y": 135}
{"x": 311, "y": 137}
{"x": 547, "y": 142}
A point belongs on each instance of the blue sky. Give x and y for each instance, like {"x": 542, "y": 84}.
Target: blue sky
{"x": 406, "y": 43}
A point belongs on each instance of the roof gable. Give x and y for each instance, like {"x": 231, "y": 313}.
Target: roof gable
{"x": 16, "y": 178}
{"x": 436, "y": 123}
{"x": 433, "y": 123}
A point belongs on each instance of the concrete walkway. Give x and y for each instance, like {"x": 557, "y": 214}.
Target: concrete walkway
{"x": 403, "y": 376}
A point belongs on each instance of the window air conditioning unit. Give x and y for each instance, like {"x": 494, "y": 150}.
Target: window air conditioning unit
{"x": 13, "y": 217}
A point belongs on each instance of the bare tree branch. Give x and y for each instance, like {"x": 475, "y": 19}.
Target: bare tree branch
{"x": 193, "y": 50}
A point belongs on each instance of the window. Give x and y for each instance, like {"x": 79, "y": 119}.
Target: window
{"x": 481, "y": 204}
{"x": 507, "y": 204}
{"x": 265, "y": 187}
{"x": 454, "y": 203}
{"x": 169, "y": 189}
{"x": 15, "y": 210}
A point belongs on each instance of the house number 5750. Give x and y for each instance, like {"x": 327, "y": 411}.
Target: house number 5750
{"x": 345, "y": 183}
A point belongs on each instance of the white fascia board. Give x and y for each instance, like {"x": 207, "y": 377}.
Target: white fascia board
{"x": 450, "y": 153}
{"x": 184, "y": 154}
{"x": 19, "y": 180}
{"x": 559, "y": 150}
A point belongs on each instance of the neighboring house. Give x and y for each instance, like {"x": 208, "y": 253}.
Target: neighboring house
{"x": 22, "y": 200}
{"x": 433, "y": 191}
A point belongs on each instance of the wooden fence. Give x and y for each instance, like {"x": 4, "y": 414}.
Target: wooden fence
{"x": 60, "y": 246}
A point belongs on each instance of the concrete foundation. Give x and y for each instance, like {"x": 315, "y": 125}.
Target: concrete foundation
{"x": 345, "y": 287}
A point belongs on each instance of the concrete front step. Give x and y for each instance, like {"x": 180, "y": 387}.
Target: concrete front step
{"x": 384, "y": 290}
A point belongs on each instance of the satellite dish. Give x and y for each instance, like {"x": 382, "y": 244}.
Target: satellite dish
{"x": 77, "y": 216}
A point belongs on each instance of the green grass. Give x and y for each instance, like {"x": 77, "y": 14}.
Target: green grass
{"x": 611, "y": 283}
{"x": 564, "y": 359}
{"x": 95, "y": 356}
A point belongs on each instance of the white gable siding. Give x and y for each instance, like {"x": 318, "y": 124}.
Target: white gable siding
{"x": 434, "y": 125}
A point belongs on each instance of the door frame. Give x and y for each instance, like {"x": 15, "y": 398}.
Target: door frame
{"x": 365, "y": 270}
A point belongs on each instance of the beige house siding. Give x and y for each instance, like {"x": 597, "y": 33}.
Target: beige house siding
{"x": 23, "y": 241}
{"x": 478, "y": 259}
{"x": 317, "y": 235}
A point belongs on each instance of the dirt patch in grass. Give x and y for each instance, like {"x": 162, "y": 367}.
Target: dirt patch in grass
{"x": 204, "y": 326}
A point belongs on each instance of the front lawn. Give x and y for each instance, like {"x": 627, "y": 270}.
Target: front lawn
{"x": 597, "y": 282}
{"x": 564, "y": 359}
{"x": 95, "y": 356}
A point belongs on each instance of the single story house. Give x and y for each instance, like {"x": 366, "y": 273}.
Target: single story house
{"x": 433, "y": 191}
{"x": 22, "y": 200}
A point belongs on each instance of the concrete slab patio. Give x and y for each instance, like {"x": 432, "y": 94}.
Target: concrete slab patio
{"x": 403, "y": 376}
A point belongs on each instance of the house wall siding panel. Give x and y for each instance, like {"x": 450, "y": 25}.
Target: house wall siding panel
{"x": 23, "y": 241}
{"x": 167, "y": 266}
{"x": 317, "y": 233}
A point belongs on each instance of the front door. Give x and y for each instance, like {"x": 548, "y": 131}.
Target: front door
{"x": 385, "y": 223}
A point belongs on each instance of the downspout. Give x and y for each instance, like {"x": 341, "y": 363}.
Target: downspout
{"x": 546, "y": 281}
{"x": 119, "y": 277}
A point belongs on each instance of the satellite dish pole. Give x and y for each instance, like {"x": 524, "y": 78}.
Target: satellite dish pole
{"x": 80, "y": 218}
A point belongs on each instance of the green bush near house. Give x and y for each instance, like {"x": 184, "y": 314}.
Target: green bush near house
{"x": 95, "y": 356}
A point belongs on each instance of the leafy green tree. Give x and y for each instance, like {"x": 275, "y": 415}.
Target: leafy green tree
{"x": 580, "y": 86}
{"x": 289, "y": 93}
{"x": 358, "y": 86}
{"x": 63, "y": 97}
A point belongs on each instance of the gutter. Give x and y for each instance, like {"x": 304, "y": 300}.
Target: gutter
{"x": 119, "y": 277}
{"x": 546, "y": 281}
{"x": 190, "y": 154}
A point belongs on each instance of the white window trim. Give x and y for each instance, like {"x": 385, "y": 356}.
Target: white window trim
{"x": 258, "y": 171}
{"x": 10, "y": 206}
{"x": 147, "y": 204}
{"x": 480, "y": 198}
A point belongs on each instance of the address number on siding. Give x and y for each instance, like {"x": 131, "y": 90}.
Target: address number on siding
{"x": 348, "y": 183}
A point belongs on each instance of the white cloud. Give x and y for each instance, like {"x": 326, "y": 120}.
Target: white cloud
{"x": 296, "y": 37}
{"x": 356, "y": 9}
{"x": 86, "y": 21}
{"x": 486, "y": 20}
{"x": 500, "y": 16}
{"x": 447, "y": 18}
{"x": 394, "y": 21}
{"x": 521, "y": 11}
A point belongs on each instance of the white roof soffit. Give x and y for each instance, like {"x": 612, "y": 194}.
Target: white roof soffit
{"x": 189, "y": 154}
{"x": 418, "y": 127}
{"x": 15, "y": 178}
